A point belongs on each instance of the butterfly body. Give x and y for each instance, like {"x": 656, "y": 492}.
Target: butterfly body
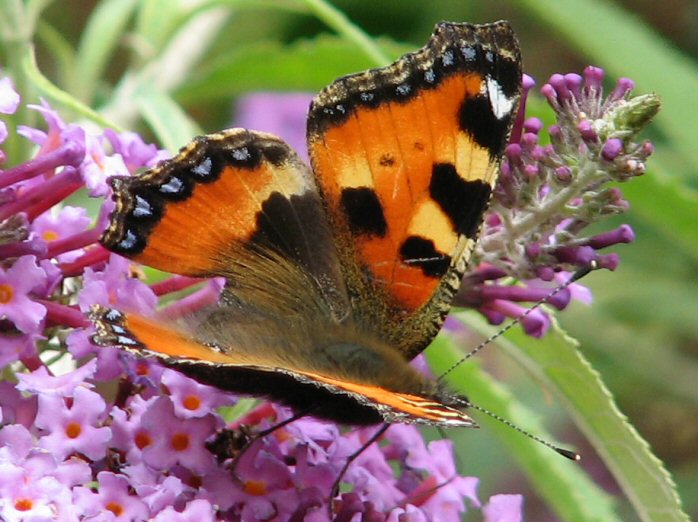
{"x": 339, "y": 275}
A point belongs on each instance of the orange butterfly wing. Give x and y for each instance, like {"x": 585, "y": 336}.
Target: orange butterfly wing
{"x": 405, "y": 158}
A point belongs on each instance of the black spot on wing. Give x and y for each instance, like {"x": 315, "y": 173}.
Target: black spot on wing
{"x": 296, "y": 227}
{"x": 276, "y": 153}
{"x": 478, "y": 121}
{"x": 290, "y": 225}
{"x": 462, "y": 201}
{"x": 364, "y": 211}
{"x": 387, "y": 160}
{"x": 275, "y": 224}
{"x": 421, "y": 252}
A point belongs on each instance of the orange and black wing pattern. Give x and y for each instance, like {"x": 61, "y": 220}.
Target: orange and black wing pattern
{"x": 194, "y": 213}
{"x": 405, "y": 158}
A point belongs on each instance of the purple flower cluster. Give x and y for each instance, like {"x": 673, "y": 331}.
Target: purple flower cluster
{"x": 549, "y": 192}
{"x": 94, "y": 433}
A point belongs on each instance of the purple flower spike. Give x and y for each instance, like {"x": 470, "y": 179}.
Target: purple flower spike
{"x": 550, "y": 94}
{"x": 647, "y": 149}
{"x": 557, "y": 81}
{"x": 555, "y": 133}
{"x": 33, "y": 247}
{"x": 609, "y": 261}
{"x": 523, "y": 294}
{"x": 612, "y": 149}
{"x": 527, "y": 83}
{"x": 70, "y": 154}
{"x": 199, "y": 510}
{"x": 535, "y": 324}
{"x": 503, "y": 508}
{"x": 134, "y": 152}
{"x": 573, "y": 82}
{"x": 15, "y": 285}
{"x": 579, "y": 256}
{"x": 593, "y": 78}
{"x": 587, "y": 132}
{"x": 623, "y": 88}
{"x": 177, "y": 441}
{"x": 113, "y": 497}
{"x": 591, "y": 144}
{"x": 75, "y": 428}
{"x": 529, "y": 140}
{"x": 545, "y": 273}
{"x": 9, "y": 98}
{"x": 622, "y": 234}
{"x": 9, "y": 101}
{"x": 531, "y": 171}
{"x": 189, "y": 398}
{"x": 533, "y": 125}
{"x": 563, "y": 174}
{"x": 40, "y": 198}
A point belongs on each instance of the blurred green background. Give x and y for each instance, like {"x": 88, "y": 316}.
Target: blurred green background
{"x": 133, "y": 63}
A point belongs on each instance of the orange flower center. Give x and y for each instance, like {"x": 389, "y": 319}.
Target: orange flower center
{"x": 255, "y": 487}
{"x": 24, "y": 504}
{"x": 192, "y": 402}
{"x": 180, "y": 441}
{"x": 73, "y": 430}
{"x": 142, "y": 440}
{"x": 6, "y": 293}
{"x": 115, "y": 508}
{"x": 50, "y": 235}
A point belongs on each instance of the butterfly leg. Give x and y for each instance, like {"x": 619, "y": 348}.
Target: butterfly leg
{"x": 234, "y": 444}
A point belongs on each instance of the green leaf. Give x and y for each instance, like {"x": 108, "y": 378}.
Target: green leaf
{"x": 668, "y": 207}
{"x": 102, "y": 34}
{"x": 620, "y": 42}
{"x": 60, "y": 50}
{"x": 562, "y": 483}
{"x": 156, "y": 20}
{"x": 171, "y": 67}
{"x": 172, "y": 126}
{"x": 337, "y": 20}
{"x": 557, "y": 362}
{"x": 55, "y": 94}
{"x": 304, "y": 65}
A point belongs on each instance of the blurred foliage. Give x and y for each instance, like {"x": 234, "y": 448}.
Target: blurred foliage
{"x": 169, "y": 69}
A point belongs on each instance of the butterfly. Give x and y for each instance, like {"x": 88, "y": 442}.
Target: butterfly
{"x": 337, "y": 276}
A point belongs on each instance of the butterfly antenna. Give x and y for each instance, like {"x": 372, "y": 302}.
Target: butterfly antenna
{"x": 573, "y": 278}
{"x": 562, "y": 451}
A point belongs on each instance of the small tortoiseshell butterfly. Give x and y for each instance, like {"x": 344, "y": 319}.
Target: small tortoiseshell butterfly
{"x": 339, "y": 275}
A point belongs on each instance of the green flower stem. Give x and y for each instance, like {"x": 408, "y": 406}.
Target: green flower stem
{"x": 51, "y": 91}
{"x": 15, "y": 34}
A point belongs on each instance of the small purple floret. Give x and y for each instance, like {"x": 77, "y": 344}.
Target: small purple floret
{"x": 612, "y": 149}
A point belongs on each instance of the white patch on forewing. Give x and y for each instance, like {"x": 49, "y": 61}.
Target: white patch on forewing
{"x": 501, "y": 105}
